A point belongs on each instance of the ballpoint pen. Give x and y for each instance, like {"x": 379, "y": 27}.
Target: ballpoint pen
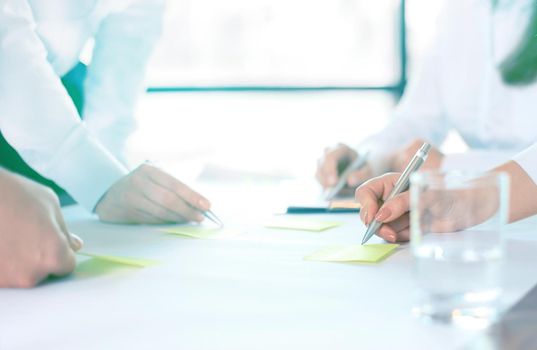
{"x": 355, "y": 165}
{"x": 211, "y": 216}
{"x": 400, "y": 186}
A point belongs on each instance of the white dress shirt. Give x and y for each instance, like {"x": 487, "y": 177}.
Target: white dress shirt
{"x": 40, "y": 41}
{"x": 459, "y": 85}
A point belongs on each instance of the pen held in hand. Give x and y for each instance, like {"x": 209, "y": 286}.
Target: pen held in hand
{"x": 211, "y": 216}
{"x": 400, "y": 186}
{"x": 357, "y": 164}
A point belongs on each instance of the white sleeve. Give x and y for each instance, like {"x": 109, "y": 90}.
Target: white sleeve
{"x": 527, "y": 159}
{"x": 38, "y": 118}
{"x": 419, "y": 114}
{"x": 123, "y": 44}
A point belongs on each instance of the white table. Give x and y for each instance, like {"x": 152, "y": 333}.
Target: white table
{"x": 250, "y": 292}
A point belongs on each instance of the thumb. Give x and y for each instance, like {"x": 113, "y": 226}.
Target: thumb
{"x": 76, "y": 243}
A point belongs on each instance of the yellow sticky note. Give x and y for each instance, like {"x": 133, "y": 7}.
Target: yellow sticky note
{"x": 345, "y": 205}
{"x": 95, "y": 267}
{"x": 201, "y": 232}
{"x": 360, "y": 253}
{"x": 301, "y": 225}
{"x": 129, "y": 261}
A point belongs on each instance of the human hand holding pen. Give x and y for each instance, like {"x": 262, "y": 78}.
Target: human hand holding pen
{"x": 148, "y": 195}
{"x": 392, "y": 214}
{"x": 334, "y": 162}
{"x": 399, "y": 186}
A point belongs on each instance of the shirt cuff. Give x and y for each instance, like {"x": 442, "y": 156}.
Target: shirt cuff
{"x": 85, "y": 168}
{"x": 527, "y": 159}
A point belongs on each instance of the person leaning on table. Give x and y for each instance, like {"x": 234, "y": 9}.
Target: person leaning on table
{"x": 477, "y": 78}
{"x": 45, "y": 92}
{"x": 394, "y": 214}
{"x": 34, "y": 241}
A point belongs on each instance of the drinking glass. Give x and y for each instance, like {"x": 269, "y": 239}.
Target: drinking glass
{"x": 456, "y": 223}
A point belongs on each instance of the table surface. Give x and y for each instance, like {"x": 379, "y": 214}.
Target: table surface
{"x": 252, "y": 291}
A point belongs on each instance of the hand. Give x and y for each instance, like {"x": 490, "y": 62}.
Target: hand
{"x": 394, "y": 213}
{"x": 333, "y": 163}
{"x": 401, "y": 159}
{"x": 34, "y": 241}
{"x": 148, "y": 195}
{"x": 441, "y": 209}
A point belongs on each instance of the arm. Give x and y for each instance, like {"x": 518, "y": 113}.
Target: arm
{"x": 38, "y": 118}
{"x": 394, "y": 213}
{"x": 523, "y": 172}
{"x": 123, "y": 44}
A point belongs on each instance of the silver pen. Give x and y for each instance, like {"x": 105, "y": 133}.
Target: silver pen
{"x": 400, "y": 186}
{"x": 211, "y": 216}
{"x": 358, "y": 163}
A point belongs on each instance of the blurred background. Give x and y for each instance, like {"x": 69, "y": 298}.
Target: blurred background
{"x": 262, "y": 86}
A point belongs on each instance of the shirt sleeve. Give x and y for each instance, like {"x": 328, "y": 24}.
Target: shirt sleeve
{"x": 419, "y": 115}
{"x": 124, "y": 41}
{"x": 38, "y": 118}
{"x": 527, "y": 160}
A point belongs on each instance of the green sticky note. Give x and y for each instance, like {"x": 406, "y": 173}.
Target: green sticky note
{"x": 95, "y": 267}
{"x": 301, "y": 225}
{"x": 360, "y": 253}
{"x": 129, "y": 261}
{"x": 201, "y": 232}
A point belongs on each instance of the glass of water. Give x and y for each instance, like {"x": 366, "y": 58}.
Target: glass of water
{"x": 456, "y": 223}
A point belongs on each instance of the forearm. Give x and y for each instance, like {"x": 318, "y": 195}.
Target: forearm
{"x": 523, "y": 191}
{"x": 124, "y": 42}
{"x": 39, "y": 120}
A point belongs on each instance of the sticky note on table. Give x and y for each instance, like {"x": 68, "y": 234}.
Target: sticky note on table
{"x": 129, "y": 261}
{"x": 370, "y": 253}
{"x": 301, "y": 225}
{"x": 201, "y": 232}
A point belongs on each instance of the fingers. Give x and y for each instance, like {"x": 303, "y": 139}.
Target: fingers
{"x": 75, "y": 242}
{"x": 170, "y": 183}
{"x": 147, "y": 211}
{"x": 138, "y": 216}
{"x": 168, "y": 205}
{"x": 397, "y": 230}
{"x": 394, "y": 208}
{"x": 371, "y": 193}
{"x": 150, "y": 196}
{"x": 327, "y": 168}
{"x": 327, "y": 171}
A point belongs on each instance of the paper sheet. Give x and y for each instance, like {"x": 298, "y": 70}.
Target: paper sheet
{"x": 371, "y": 253}
{"x": 129, "y": 261}
{"x": 301, "y": 225}
{"x": 201, "y": 232}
